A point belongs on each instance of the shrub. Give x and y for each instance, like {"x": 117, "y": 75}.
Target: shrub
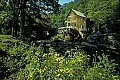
{"x": 5, "y": 31}
{"x": 30, "y": 63}
{"x": 102, "y": 70}
{"x": 61, "y": 37}
{"x": 51, "y": 65}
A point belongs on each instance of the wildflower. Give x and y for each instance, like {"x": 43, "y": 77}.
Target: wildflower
{"x": 78, "y": 59}
{"x": 37, "y": 53}
{"x": 67, "y": 70}
{"x": 71, "y": 73}
{"x": 30, "y": 51}
{"x": 58, "y": 59}
{"x": 30, "y": 75}
{"x": 44, "y": 55}
{"x": 56, "y": 55}
{"x": 50, "y": 53}
{"x": 61, "y": 70}
{"x": 58, "y": 75}
{"x": 40, "y": 71}
{"x": 72, "y": 62}
{"x": 68, "y": 51}
{"x": 45, "y": 68}
{"x": 26, "y": 57}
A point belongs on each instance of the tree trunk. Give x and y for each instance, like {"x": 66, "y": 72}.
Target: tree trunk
{"x": 14, "y": 12}
{"x": 23, "y": 14}
{"x": 16, "y": 18}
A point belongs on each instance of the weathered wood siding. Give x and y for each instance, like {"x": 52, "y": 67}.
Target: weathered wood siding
{"x": 71, "y": 19}
{"x": 75, "y": 21}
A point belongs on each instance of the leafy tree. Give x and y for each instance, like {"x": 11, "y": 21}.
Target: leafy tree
{"x": 102, "y": 11}
{"x": 24, "y": 13}
{"x": 5, "y": 17}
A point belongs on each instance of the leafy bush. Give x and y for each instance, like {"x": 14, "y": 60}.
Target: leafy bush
{"x": 53, "y": 66}
{"x": 5, "y": 31}
{"x": 102, "y": 70}
{"x": 60, "y": 37}
{"x": 29, "y": 62}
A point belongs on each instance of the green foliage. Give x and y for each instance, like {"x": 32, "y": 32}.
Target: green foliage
{"x": 101, "y": 11}
{"x": 16, "y": 16}
{"x": 57, "y": 20}
{"x": 5, "y": 36}
{"x": 29, "y": 62}
{"x": 61, "y": 37}
{"x": 5, "y": 31}
{"x": 46, "y": 66}
{"x": 101, "y": 70}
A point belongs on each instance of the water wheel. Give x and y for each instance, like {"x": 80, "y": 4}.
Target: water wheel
{"x": 74, "y": 34}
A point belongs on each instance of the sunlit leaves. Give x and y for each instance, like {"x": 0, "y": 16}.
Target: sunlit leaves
{"x": 102, "y": 10}
{"x": 33, "y": 63}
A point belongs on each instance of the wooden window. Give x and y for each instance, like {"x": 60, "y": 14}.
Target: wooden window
{"x": 75, "y": 24}
{"x": 68, "y": 24}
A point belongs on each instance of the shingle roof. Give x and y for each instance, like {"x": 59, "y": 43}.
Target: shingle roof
{"x": 79, "y": 13}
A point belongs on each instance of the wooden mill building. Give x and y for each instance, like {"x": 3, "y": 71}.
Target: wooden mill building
{"x": 77, "y": 20}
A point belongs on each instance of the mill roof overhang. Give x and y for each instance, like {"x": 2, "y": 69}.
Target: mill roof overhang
{"x": 77, "y": 13}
